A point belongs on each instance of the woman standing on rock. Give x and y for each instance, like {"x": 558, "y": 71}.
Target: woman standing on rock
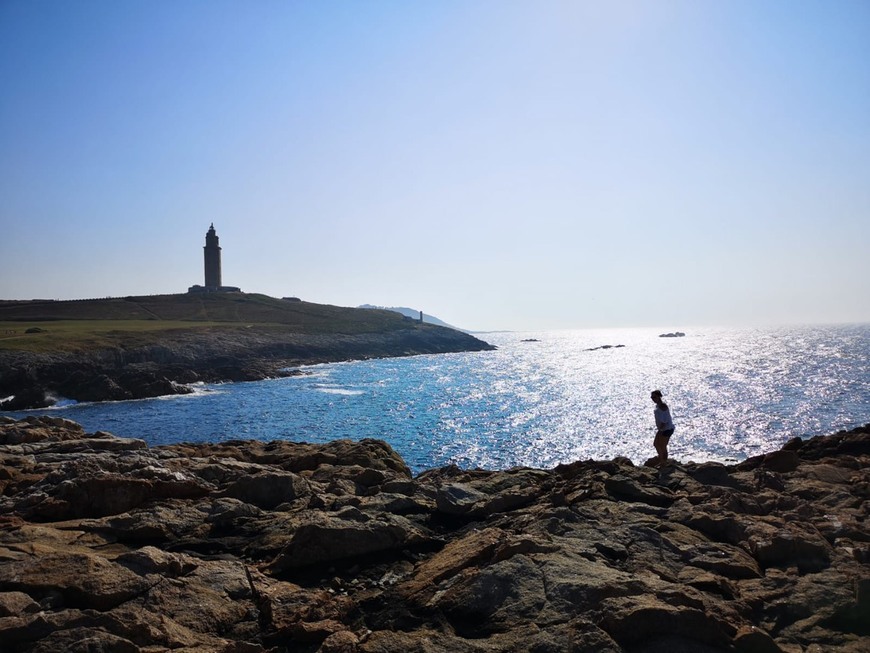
{"x": 664, "y": 426}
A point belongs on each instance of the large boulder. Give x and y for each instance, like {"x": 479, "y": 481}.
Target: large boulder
{"x": 636, "y": 620}
{"x": 268, "y": 489}
{"x": 73, "y": 580}
{"x": 80, "y": 494}
{"x": 326, "y": 539}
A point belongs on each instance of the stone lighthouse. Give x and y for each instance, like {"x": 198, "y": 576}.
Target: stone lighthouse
{"x": 212, "y": 252}
{"x": 212, "y": 259}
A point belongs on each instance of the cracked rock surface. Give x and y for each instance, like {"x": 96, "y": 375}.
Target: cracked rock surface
{"x": 247, "y": 546}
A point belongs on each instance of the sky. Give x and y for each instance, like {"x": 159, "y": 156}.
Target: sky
{"x": 499, "y": 164}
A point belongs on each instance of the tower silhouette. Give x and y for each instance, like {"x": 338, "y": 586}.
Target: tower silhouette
{"x": 212, "y": 259}
{"x": 212, "y": 255}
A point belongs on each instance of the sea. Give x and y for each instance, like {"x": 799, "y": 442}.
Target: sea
{"x": 539, "y": 400}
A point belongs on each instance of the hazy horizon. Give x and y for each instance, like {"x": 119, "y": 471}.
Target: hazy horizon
{"x": 499, "y": 165}
{"x": 663, "y": 327}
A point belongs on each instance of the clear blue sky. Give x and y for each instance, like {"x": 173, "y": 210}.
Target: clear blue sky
{"x": 497, "y": 164}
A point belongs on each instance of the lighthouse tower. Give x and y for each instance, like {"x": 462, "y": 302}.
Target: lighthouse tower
{"x": 212, "y": 257}
{"x": 212, "y": 254}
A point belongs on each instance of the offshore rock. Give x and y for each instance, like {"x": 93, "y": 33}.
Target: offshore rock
{"x": 248, "y": 546}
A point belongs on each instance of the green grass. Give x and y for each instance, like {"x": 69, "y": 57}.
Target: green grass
{"x": 131, "y": 321}
{"x": 211, "y": 307}
{"x": 83, "y": 335}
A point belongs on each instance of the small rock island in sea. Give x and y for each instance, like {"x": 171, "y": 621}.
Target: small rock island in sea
{"x": 250, "y": 547}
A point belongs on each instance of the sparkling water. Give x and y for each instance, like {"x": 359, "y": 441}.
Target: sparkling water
{"x": 541, "y": 399}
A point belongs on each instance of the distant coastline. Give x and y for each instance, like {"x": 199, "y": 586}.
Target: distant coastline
{"x": 137, "y": 347}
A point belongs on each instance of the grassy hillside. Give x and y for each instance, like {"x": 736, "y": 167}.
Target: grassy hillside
{"x": 136, "y": 347}
{"x": 96, "y": 323}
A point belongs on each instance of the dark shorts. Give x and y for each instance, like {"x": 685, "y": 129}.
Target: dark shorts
{"x": 665, "y": 434}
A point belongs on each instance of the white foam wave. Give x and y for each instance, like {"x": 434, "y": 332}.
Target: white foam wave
{"x": 198, "y": 390}
{"x": 337, "y": 390}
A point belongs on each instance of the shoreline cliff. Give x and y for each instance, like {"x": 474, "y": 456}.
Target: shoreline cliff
{"x": 247, "y": 546}
{"x": 206, "y": 354}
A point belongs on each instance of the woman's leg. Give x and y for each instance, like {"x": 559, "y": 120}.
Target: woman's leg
{"x": 661, "y": 445}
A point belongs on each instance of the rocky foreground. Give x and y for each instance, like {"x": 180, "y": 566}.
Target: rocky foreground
{"x": 242, "y": 547}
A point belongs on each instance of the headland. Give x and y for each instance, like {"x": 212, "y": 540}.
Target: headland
{"x": 136, "y": 347}
{"x": 273, "y": 547}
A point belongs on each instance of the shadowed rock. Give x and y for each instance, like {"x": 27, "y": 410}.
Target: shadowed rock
{"x": 246, "y": 546}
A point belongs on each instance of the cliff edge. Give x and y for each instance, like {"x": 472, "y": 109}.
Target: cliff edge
{"x": 136, "y": 347}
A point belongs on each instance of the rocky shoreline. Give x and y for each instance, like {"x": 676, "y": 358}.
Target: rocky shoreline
{"x": 247, "y": 547}
{"x": 36, "y": 380}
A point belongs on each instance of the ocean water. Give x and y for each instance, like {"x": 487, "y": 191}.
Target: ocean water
{"x": 541, "y": 399}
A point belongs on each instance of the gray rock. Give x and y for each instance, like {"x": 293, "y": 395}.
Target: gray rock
{"x": 269, "y": 489}
{"x": 110, "y": 545}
